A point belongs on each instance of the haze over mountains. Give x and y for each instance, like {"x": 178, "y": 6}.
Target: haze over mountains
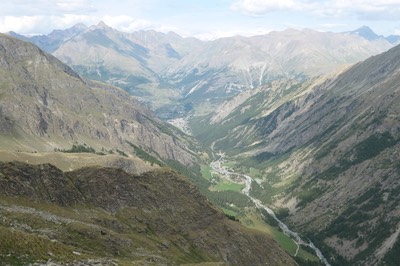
{"x": 366, "y": 33}
{"x": 312, "y": 117}
{"x": 161, "y": 68}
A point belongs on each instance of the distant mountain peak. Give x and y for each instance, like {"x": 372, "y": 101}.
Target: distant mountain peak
{"x": 394, "y": 39}
{"x": 80, "y": 26}
{"x": 366, "y": 33}
{"x": 103, "y": 25}
{"x": 364, "y": 27}
{"x": 365, "y": 30}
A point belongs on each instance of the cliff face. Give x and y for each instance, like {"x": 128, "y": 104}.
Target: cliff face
{"x": 105, "y": 213}
{"x": 45, "y": 105}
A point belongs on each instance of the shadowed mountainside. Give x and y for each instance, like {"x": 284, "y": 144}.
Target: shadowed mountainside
{"x": 105, "y": 214}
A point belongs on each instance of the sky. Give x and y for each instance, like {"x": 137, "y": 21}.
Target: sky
{"x": 204, "y": 19}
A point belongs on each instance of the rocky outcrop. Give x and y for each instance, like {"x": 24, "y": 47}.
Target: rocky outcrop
{"x": 160, "y": 208}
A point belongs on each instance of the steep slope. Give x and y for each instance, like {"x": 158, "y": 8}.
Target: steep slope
{"x": 104, "y": 215}
{"x": 45, "y": 105}
{"x": 329, "y": 152}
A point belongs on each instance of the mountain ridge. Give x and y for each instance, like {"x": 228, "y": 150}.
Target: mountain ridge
{"x": 170, "y": 73}
{"x": 45, "y": 105}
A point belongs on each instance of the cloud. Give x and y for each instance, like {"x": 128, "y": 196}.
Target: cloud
{"x": 73, "y": 6}
{"x": 128, "y": 23}
{"x": 260, "y": 7}
{"x": 30, "y": 17}
{"x": 360, "y": 9}
{"x": 216, "y": 34}
{"x": 40, "y": 24}
{"x": 21, "y": 24}
{"x": 46, "y": 8}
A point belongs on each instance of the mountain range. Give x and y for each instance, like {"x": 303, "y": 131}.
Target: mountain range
{"x": 313, "y": 117}
{"x": 173, "y": 74}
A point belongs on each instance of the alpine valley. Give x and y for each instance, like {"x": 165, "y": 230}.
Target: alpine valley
{"x": 148, "y": 148}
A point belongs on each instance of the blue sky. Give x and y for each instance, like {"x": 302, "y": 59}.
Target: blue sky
{"x": 206, "y": 19}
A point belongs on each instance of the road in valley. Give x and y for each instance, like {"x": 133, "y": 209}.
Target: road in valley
{"x": 217, "y": 167}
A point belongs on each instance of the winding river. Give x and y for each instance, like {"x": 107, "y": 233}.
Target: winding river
{"x": 216, "y": 166}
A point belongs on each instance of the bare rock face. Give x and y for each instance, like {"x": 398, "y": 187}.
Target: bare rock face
{"x": 160, "y": 208}
{"x": 45, "y": 105}
{"x": 6, "y": 124}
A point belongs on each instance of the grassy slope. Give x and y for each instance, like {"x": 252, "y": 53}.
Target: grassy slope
{"x": 72, "y": 161}
{"x": 253, "y": 220}
{"x": 138, "y": 230}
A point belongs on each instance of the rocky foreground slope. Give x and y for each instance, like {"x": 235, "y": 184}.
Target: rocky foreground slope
{"x": 107, "y": 216}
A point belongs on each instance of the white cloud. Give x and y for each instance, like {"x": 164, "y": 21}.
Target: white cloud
{"x": 23, "y": 24}
{"x": 258, "y": 7}
{"x": 69, "y": 20}
{"x": 31, "y": 25}
{"x": 128, "y": 23}
{"x": 361, "y": 9}
{"x": 41, "y": 24}
{"x": 262, "y": 7}
{"x": 213, "y": 35}
{"x": 73, "y": 6}
{"x": 45, "y": 7}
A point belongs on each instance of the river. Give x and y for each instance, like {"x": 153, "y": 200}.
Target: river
{"x": 216, "y": 166}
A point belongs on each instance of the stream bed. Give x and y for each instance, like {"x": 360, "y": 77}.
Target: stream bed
{"x": 216, "y": 166}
